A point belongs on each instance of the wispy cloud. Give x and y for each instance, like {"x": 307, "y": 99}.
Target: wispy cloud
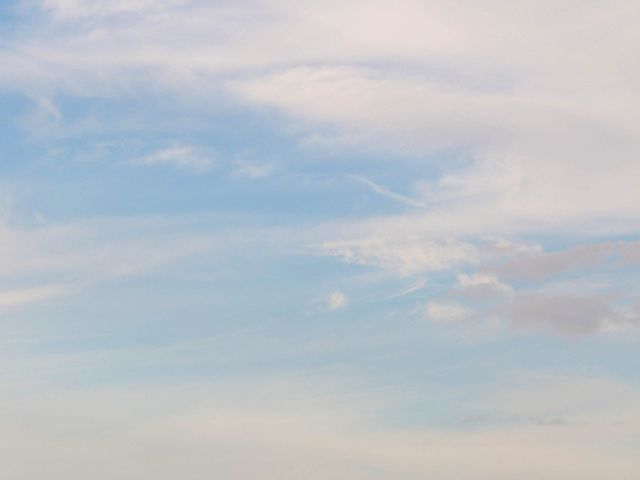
{"x": 412, "y": 288}
{"x": 184, "y": 157}
{"x": 86, "y": 253}
{"x": 253, "y": 170}
{"x": 25, "y": 296}
{"x": 386, "y": 192}
{"x": 481, "y": 285}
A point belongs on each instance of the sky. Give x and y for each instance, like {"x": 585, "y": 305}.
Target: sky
{"x": 293, "y": 239}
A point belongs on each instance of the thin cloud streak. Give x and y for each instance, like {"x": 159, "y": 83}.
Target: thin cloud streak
{"x": 387, "y": 193}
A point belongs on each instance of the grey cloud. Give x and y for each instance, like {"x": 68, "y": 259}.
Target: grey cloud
{"x": 534, "y": 265}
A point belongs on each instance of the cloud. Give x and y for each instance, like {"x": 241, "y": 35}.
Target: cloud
{"x": 66, "y": 258}
{"x": 181, "y": 156}
{"x": 574, "y": 308}
{"x": 98, "y": 9}
{"x": 253, "y": 170}
{"x": 408, "y": 290}
{"x": 405, "y": 257}
{"x": 24, "y": 296}
{"x": 538, "y": 265}
{"x": 337, "y": 300}
{"x": 385, "y": 192}
{"x": 48, "y": 109}
{"x": 533, "y": 155}
{"x": 481, "y": 285}
{"x": 446, "y": 312}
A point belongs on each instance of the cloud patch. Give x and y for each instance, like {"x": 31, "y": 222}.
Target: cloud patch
{"x": 337, "y": 300}
{"x": 185, "y": 157}
{"x": 447, "y": 312}
{"x": 566, "y": 314}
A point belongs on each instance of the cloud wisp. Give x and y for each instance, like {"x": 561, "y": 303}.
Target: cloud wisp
{"x": 180, "y": 156}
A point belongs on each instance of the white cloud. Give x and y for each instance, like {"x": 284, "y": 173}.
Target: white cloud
{"x": 181, "y": 156}
{"x": 337, "y": 300}
{"x": 253, "y": 170}
{"x": 386, "y": 192}
{"x": 481, "y": 285}
{"x": 403, "y": 256}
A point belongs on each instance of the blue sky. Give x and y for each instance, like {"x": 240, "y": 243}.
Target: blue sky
{"x": 298, "y": 239}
